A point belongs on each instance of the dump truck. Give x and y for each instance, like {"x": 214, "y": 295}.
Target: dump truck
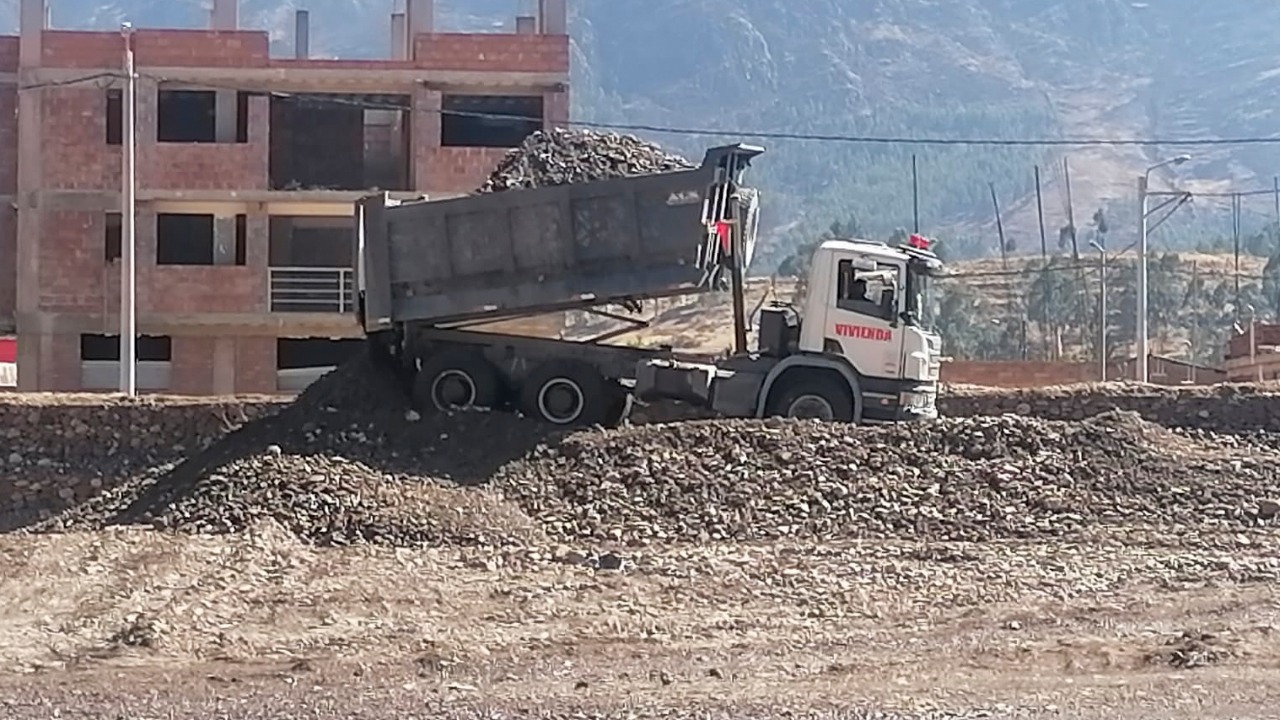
{"x": 429, "y": 273}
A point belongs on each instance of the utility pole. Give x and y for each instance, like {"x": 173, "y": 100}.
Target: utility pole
{"x": 1143, "y": 183}
{"x": 1004, "y": 249}
{"x": 915, "y": 195}
{"x": 1102, "y": 311}
{"x": 1142, "y": 374}
{"x": 128, "y": 274}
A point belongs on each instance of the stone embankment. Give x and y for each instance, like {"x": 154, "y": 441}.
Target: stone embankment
{"x": 1219, "y": 408}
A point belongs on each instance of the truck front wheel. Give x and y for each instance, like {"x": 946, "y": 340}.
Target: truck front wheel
{"x": 813, "y": 397}
{"x": 567, "y": 394}
{"x": 454, "y": 381}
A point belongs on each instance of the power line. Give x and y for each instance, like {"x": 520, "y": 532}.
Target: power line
{"x": 73, "y": 81}
{"x": 312, "y": 98}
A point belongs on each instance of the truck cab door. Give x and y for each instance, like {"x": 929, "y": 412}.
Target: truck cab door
{"x": 863, "y": 321}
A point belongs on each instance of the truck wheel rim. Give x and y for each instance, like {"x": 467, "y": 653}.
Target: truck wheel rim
{"x": 561, "y": 401}
{"x": 811, "y": 407}
{"x": 453, "y": 389}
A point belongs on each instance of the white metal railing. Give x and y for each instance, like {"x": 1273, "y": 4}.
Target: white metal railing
{"x": 312, "y": 289}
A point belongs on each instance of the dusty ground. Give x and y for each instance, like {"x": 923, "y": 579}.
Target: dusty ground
{"x": 1120, "y": 625}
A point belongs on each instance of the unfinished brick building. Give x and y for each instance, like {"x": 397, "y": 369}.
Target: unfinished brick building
{"x": 247, "y": 167}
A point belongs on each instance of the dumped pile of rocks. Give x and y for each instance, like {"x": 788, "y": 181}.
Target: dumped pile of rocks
{"x": 969, "y": 479}
{"x": 563, "y": 157}
{"x": 348, "y": 462}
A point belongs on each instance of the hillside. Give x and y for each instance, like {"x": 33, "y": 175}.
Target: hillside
{"x": 950, "y": 68}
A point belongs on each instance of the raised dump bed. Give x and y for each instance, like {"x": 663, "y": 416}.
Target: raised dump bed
{"x": 524, "y": 252}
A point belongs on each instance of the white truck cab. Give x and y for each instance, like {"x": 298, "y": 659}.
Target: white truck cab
{"x": 861, "y": 334}
{"x": 866, "y": 302}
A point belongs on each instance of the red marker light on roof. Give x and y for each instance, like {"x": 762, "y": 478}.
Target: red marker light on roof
{"x": 918, "y": 242}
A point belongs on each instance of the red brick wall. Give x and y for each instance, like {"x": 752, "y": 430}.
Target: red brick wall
{"x": 8, "y": 263}
{"x": 60, "y": 366}
{"x": 1017, "y": 373}
{"x": 74, "y": 276}
{"x": 156, "y": 48}
{"x": 71, "y": 262}
{"x": 76, "y": 154}
{"x": 9, "y": 45}
{"x": 191, "y": 372}
{"x": 8, "y": 139}
{"x": 455, "y": 169}
{"x": 203, "y": 166}
{"x": 492, "y": 51}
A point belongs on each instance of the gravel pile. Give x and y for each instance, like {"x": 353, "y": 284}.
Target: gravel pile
{"x": 348, "y": 462}
{"x": 970, "y": 479}
{"x": 563, "y": 157}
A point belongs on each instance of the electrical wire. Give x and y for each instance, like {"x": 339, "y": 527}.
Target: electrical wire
{"x": 310, "y": 98}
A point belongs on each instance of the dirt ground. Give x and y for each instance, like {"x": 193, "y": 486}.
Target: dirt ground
{"x": 1123, "y": 624}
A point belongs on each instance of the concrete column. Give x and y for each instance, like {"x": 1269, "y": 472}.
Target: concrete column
{"x": 302, "y": 34}
{"x": 224, "y": 240}
{"x": 399, "y": 38}
{"x": 33, "y": 18}
{"x": 226, "y": 111}
{"x": 421, "y": 19}
{"x": 225, "y": 15}
{"x": 526, "y": 25}
{"x": 224, "y": 366}
{"x": 553, "y": 17}
{"x": 148, "y": 117}
{"x": 35, "y": 353}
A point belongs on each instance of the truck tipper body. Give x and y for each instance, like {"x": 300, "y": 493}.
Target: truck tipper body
{"x": 429, "y": 273}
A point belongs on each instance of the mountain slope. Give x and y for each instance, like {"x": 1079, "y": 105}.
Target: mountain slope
{"x": 945, "y": 68}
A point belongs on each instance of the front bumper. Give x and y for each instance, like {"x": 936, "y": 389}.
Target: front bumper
{"x": 913, "y": 402}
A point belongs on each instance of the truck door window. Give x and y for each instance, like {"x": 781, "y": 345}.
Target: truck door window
{"x": 857, "y": 295}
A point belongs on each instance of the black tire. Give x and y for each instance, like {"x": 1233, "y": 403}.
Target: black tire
{"x": 829, "y": 397}
{"x": 456, "y": 380}
{"x": 568, "y": 394}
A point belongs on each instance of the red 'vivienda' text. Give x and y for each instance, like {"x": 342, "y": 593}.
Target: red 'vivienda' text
{"x": 862, "y": 332}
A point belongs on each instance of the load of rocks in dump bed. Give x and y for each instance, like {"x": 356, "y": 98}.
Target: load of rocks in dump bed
{"x": 968, "y": 479}
{"x": 562, "y": 157}
{"x": 347, "y": 462}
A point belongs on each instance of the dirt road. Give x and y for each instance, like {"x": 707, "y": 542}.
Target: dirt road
{"x": 1122, "y": 624}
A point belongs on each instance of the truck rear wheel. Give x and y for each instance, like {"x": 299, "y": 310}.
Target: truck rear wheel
{"x": 813, "y": 397}
{"x": 455, "y": 381}
{"x": 567, "y": 394}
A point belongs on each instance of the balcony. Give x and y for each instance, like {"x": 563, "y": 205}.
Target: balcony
{"x": 312, "y": 289}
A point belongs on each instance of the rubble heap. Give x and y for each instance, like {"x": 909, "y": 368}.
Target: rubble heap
{"x": 969, "y": 479}
{"x": 563, "y": 157}
{"x": 347, "y": 462}
{"x": 350, "y": 463}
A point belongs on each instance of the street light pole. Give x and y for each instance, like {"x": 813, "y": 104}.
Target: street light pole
{"x": 1144, "y": 181}
{"x": 1102, "y": 311}
{"x": 1142, "y": 277}
{"x": 128, "y": 274}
